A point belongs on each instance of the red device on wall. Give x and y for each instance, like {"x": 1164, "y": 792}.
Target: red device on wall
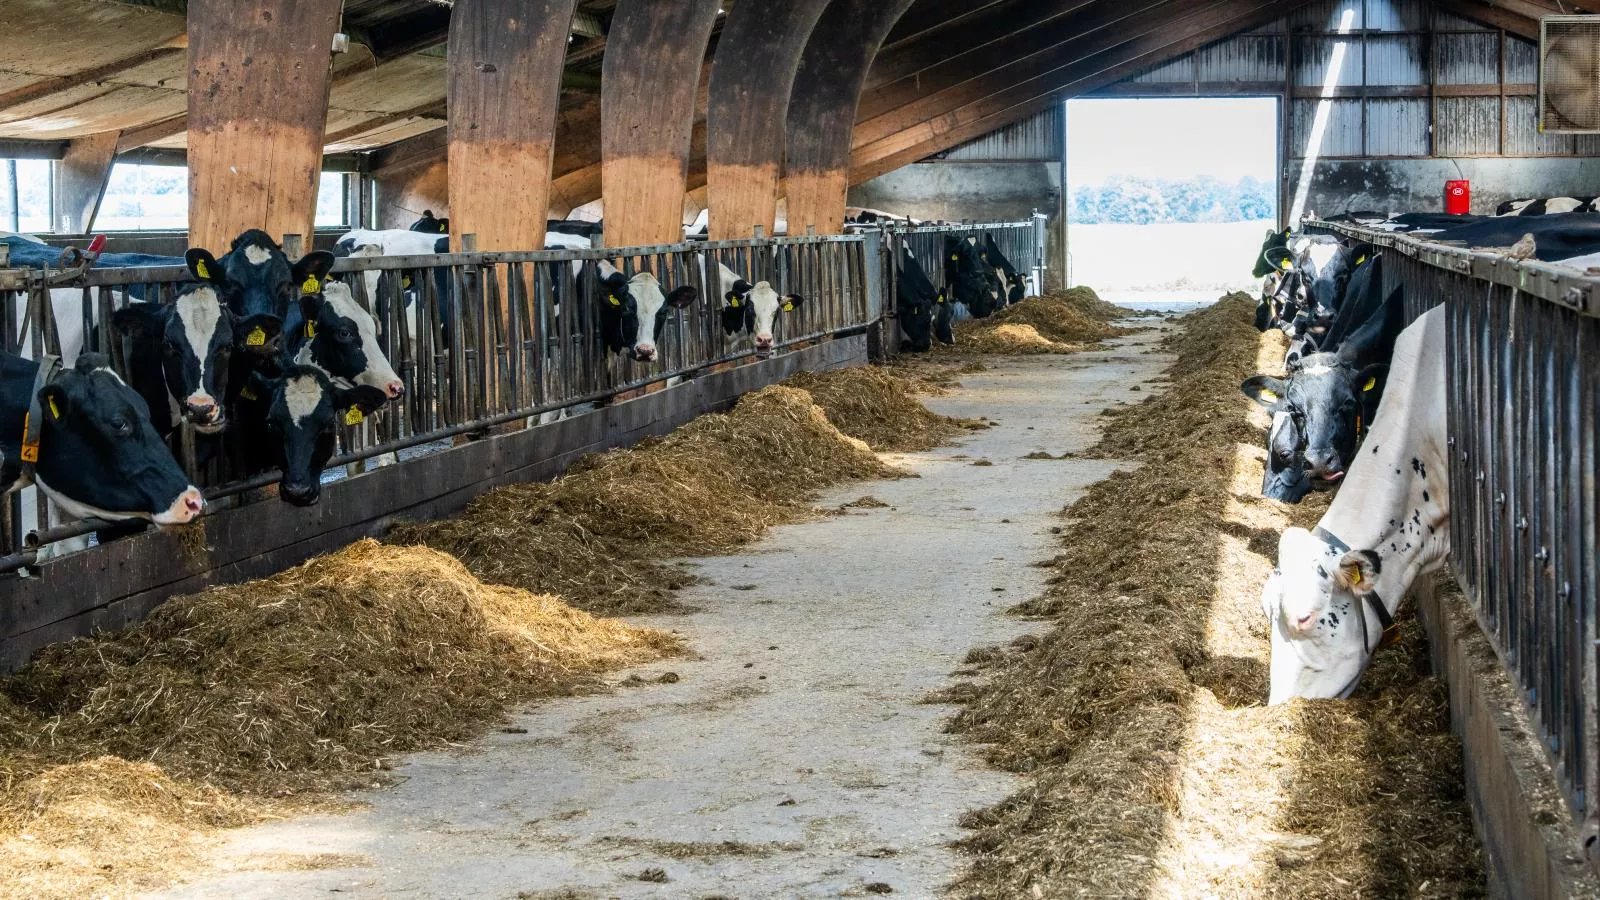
{"x": 1458, "y": 197}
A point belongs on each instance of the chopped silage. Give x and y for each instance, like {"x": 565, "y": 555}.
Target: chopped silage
{"x": 1153, "y": 767}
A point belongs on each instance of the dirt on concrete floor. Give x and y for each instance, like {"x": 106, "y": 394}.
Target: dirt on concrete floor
{"x": 796, "y": 757}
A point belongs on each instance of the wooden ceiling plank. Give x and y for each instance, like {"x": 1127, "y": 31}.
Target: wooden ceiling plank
{"x": 1494, "y": 17}
{"x": 48, "y": 87}
{"x": 1004, "y": 20}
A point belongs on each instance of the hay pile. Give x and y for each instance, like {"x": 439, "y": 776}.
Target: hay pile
{"x": 1152, "y": 768}
{"x": 596, "y": 535}
{"x": 876, "y": 406}
{"x": 1058, "y": 323}
{"x": 305, "y": 682}
{"x": 1084, "y": 299}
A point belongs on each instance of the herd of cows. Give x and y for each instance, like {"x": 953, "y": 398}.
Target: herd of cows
{"x": 979, "y": 281}
{"x": 1361, "y": 409}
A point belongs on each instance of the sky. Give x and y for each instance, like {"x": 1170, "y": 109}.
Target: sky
{"x": 1176, "y": 139}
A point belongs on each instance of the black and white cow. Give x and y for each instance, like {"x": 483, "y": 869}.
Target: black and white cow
{"x": 261, "y": 286}
{"x": 923, "y": 310}
{"x": 1336, "y": 588}
{"x": 753, "y": 309}
{"x": 330, "y": 330}
{"x": 298, "y": 414}
{"x": 633, "y": 311}
{"x": 965, "y": 278}
{"x": 1014, "y": 285}
{"x": 430, "y": 225}
{"x": 98, "y": 455}
{"x": 1545, "y": 206}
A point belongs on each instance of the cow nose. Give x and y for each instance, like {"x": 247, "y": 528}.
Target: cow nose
{"x": 202, "y": 408}
{"x": 395, "y": 389}
{"x": 299, "y": 494}
{"x": 645, "y": 352}
{"x": 192, "y": 503}
{"x": 1303, "y": 624}
{"x": 1324, "y": 463}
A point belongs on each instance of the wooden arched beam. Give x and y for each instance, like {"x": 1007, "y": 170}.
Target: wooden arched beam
{"x": 750, "y": 84}
{"x": 258, "y": 103}
{"x": 822, "y": 109}
{"x": 654, "y": 55}
{"x": 504, "y": 82}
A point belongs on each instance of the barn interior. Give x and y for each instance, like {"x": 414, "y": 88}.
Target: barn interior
{"x": 628, "y": 699}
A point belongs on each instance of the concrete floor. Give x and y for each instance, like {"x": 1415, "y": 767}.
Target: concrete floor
{"x": 797, "y": 758}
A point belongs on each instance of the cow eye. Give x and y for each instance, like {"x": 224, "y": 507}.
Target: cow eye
{"x": 346, "y": 335}
{"x": 121, "y": 426}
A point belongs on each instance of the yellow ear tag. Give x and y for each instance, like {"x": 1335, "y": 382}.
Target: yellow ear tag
{"x": 955, "y": 257}
{"x": 201, "y": 270}
{"x": 311, "y": 329}
{"x": 733, "y": 302}
{"x": 30, "y": 452}
{"x": 615, "y": 301}
{"x": 1371, "y": 383}
{"x": 788, "y": 307}
{"x": 353, "y": 416}
{"x": 247, "y": 394}
{"x": 1360, "y": 260}
{"x": 405, "y": 282}
{"x": 1286, "y": 265}
{"x": 939, "y": 299}
{"x": 311, "y": 285}
{"x": 256, "y": 338}
{"x": 1269, "y": 396}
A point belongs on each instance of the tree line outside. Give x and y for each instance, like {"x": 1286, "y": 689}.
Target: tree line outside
{"x": 1134, "y": 200}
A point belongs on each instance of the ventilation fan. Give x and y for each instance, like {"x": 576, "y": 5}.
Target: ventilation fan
{"x": 1569, "y": 74}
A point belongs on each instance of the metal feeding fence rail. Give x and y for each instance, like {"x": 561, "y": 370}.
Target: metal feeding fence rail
{"x": 1523, "y": 359}
{"x": 480, "y": 339}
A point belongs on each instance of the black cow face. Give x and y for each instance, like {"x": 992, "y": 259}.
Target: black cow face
{"x": 1015, "y": 286}
{"x": 1274, "y": 241}
{"x": 303, "y": 417}
{"x": 262, "y": 284}
{"x": 1327, "y": 287}
{"x": 1286, "y": 478}
{"x": 633, "y": 311}
{"x": 964, "y": 276}
{"x": 191, "y": 341}
{"x": 100, "y": 457}
{"x": 1325, "y": 397}
{"x": 340, "y": 338}
{"x": 429, "y": 225}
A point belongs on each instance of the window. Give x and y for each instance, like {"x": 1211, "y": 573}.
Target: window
{"x": 145, "y": 198}
{"x": 333, "y": 200}
{"x": 25, "y": 195}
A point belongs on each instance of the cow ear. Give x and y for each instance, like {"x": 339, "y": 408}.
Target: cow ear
{"x": 1370, "y": 378}
{"x": 136, "y": 321}
{"x": 55, "y": 403}
{"x": 312, "y": 265}
{"x": 364, "y": 397}
{"x": 683, "y": 297}
{"x": 1279, "y": 258}
{"x": 1359, "y": 570}
{"x": 1361, "y": 252}
{"x": 1267, "y": 391}
{"x": 791, "y": 302}
{"x": 204, "y": 266}
{"x": 311, "y": 306}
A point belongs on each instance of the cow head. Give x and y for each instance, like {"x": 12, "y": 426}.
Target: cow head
{"x": 634, "y": 310}
{"x": 341, "y": 338}
{"x": 1316, "y": 605}
{"x": 1327, "y": 400}
{"x": 964, "y": 275}
{"x": 1328, "y": 283}
{"x": 261, "y": 285}
{"x": 754, "y": 308}
{"x": 1285, "y": 479}
{"x": 100, "y": 457}
{"x": 193, "y": 338}
{"x": 429, "y": 225}
{"x": 1275, "y": 240}
{"x": 304, "y": 410}
{"x": 923, "y": 310}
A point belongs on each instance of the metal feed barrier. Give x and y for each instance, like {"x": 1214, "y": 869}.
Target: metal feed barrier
{"x": 1523, "y": 350}
{"x": 486, "y": 340}
{"x": 1023, "y": 243}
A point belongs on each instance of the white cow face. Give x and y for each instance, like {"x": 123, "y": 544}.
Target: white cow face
{"x": 765, "y": 304}
{"x": 1315, "y": 606}
{"x": 635, "y": 309}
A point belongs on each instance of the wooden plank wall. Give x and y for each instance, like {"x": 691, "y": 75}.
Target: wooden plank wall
{"x": 258, "y": 103}
{"x": 822, "y": 109}
{"x": 751, "y": 79}
{"x": 654, "y": 54}
{"x": 504, "y": 84}
{"x": 117, "y": 585}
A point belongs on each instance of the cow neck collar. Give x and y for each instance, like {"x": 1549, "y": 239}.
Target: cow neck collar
{"x": 33, "y": 422}
{"x": 1373, "y": 600}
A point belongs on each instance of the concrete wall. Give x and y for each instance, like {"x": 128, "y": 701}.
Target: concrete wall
{"x": 1417, "y": 185}
{"x": 982, "y": 191}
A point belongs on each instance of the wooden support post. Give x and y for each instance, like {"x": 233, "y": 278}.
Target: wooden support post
{"x": 654, "y": 54}
{"x": 258, "y": 105}
{"x": 822, "y": 109}
{"x": 81, "y": 179}
{"x": 504, "y": 85}
{"x": 751, "y": 79}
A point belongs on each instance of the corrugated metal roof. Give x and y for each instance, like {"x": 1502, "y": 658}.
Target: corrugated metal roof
{"x": 1037, "y": 137}
{"x": 1468, "y": 126}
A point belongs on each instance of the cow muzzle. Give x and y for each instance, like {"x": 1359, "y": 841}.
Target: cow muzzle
{"x": 764, "y": 345}
{"x": 395, "y": 389}
{"x": 297, "y": 494}
{"x": 183, "y": 510}
{"x": 204, "y": 412}
{"x": 644, "y": 353}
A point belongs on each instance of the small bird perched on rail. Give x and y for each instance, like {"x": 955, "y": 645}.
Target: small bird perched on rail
{"x": 1523, "y": 249}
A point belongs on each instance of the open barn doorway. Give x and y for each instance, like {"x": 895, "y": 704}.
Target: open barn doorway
{"x": 1169, "y": 198}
